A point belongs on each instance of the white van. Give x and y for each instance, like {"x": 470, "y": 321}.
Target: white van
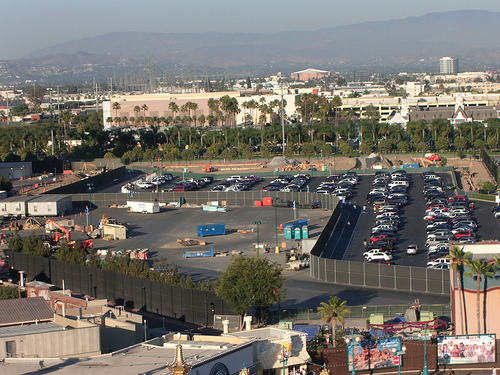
{"x": 398, "y": 183}
{"x": 234, "y": 178}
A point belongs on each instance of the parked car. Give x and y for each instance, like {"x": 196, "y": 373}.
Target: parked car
{"x": 381, "y": 256}
{"x": 412, "y": 249}
{"x": 438, "y": 261}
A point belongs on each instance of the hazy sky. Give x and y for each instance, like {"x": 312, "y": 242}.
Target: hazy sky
{"x": 29, "y": 25}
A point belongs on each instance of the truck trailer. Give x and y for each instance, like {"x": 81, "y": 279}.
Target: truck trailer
{"x": 143, "y": 207}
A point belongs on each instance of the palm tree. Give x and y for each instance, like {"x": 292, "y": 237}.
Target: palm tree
{"x": 479, "y": 269}
{"x": 174, "y": 108}
{"x": 137, "y": 109}
{"x": 333, "y": 311}
{"x": 116, "y": 107}
{"x": 458, "y": 258}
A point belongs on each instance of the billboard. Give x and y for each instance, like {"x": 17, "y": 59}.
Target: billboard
{"x": 465, "y": 350}
{"x": 373, "y": 354}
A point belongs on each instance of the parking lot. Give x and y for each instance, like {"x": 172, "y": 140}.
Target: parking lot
{"x": 413, "y": 228}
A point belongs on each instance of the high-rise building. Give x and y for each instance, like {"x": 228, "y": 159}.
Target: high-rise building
{"x": 448, "y": 65}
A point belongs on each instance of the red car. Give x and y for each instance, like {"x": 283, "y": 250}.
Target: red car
{"x": 433, "y": 157}
{"x": 381, "y": 237}
{"x": 465, "y": 233}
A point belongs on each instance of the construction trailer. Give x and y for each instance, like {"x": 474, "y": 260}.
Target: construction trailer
{"x": 143, "y": 207}
{"x": 15, "y": 206}
{"x": 114, "y": 231}
{"x": 50, "y": 205}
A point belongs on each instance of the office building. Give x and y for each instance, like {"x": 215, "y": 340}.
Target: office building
{"x": 448, "y": 65}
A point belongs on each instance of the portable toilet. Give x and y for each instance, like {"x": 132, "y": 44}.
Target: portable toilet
{"x": 288, "y": 232}
{"x": 297, "y": 233}
{"x": 305, "y": 232}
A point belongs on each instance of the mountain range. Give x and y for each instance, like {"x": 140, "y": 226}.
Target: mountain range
{"x": 405, "y": 43}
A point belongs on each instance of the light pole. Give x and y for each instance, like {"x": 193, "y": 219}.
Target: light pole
{"x": 424, "y": 337}
{"x": 185, "y": 169}
{"x": 399, "y": 353}
{"x": 90, "y": 186}
{"x": 324, "y": 165}
{"x": 286, "y": 345}
{"x": 275, "y": 203}
{"x": 22, "y": 176}
{"x": 352, "y": 342}
{"x": 258, "y": 222}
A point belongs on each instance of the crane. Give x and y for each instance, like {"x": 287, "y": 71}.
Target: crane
{"x": 57, "y": 235}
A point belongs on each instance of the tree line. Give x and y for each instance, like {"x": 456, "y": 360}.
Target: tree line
{"x": 320, "y": 127}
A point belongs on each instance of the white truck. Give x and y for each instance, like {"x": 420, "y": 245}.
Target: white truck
{"x": 144, "y": 207}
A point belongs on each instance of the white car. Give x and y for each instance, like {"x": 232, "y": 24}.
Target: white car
{"x": 442, "y": 266}
{"x": 371, "y": 252}
{"x": 438, "y": 261}
{"x": 381, "y": 256}
{"x": 412, "y": 249}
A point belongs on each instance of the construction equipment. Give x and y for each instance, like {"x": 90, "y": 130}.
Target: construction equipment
{"x": 32, "y": 223}
{"x": 13, "y": 225}
{"x": 426, "y": 163}
{"x": 86, "y": 167}
{"x": 59, "y": 232}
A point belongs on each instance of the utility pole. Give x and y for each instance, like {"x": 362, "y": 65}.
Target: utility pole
{"x": 8, "y": 112}
{"x": 51, "y": 123}
{"x": 282, "y": 119}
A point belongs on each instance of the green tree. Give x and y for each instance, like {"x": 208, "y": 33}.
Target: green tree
{"x": 366, "y": 147}
{"x": 479, "y": 269}
{"x": 487, "y": 186}
{"x": 345, "y": 148}
{"x": 441, "y": 144}
{"x": 251, "y": 283}
{"x": 385, "y": 146}
{"x": 9, "y": 292}
{"x": 16, "y": 242}
{"x": 308, "y": 149}
{"x": 422, "y": 146}
{"x": 459, "y": 258}
{"x": 34, "y": 245}
{"x": 333, "y": 311}
{"x": 460, "y": 143}
{"x": 403, "y": 146}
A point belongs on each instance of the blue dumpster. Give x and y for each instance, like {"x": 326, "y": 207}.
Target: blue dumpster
{"x": 211, "y": 230}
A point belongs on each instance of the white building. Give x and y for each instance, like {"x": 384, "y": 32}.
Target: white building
{"x": 448, "y": 65}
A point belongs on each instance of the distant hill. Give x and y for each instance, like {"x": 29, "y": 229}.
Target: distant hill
{"x": 430, "y": 36}
{"x": 411, "y": 44}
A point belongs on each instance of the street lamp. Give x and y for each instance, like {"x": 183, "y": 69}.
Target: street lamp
{"x": 399, "y": 353}
{"x": 275, "y": 204}
{"x": 286, "y": 345}
{"x": 258, "y": 239}
{"x": 185, "y": 169}
{"x": 22, "y": 177}
{"x": 90, "y": 186}
{"x": 424, "y": 337}
{"x": 352, "y": 342}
